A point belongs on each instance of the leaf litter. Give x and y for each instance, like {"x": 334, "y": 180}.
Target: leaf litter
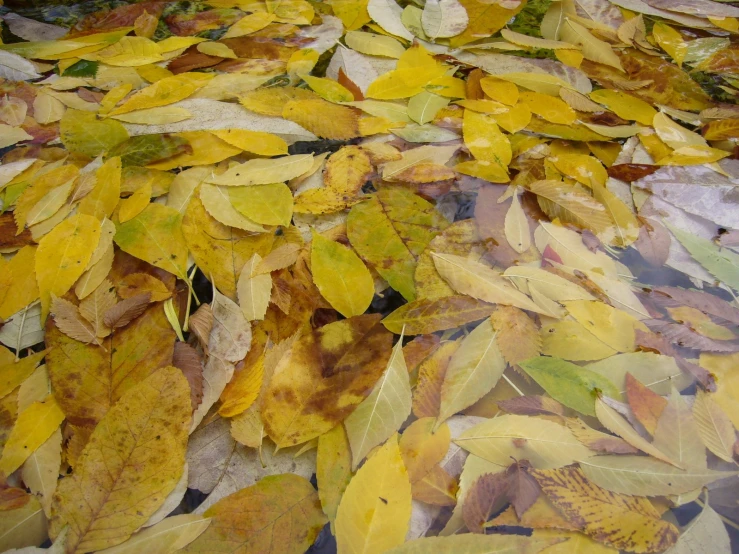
{"x": 436, "y": 276}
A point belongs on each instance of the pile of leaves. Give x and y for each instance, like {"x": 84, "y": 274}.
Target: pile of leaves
{"x": 453, "y": 276}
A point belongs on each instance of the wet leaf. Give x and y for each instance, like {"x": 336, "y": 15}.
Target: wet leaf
{"x": 158, "y": 407}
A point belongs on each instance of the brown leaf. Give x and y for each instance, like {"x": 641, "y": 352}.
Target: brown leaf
{"x": 431, "y": 372}
{"x": 324, "y": 119}
{"x": 684, "y": 336}
{"x": 631, "y": 172}
{"x": 125, "y": 311}
{"x": 522, "y": 489}
{"x": 94, "y": 306}
{"x": 137, "y": 283}
{"x": 657, "y": 343}
{"x": 485, "y": 496}
{"x": 653, "y": 242}
{"x": 69, "y": 321}
{"x": 201, "y": 323}
{"x": 437, "y": 488}
{"x": 420, "y": 348}
{"x": 187, "y": 360}
{"x": 646, "y": 404}
{"x": 518, "y": 336}
{"x": 703, "y": 301}
{"x": 532, "y": 405}
{"x": 597, "y": 441}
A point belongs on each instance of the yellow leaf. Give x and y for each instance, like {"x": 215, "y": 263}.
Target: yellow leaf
{"x": 262, "y": 172}
{"x": 133, "y": 459}
{"x": 534, "y": 42}
{"x": 323, "y": 118}
{"x": 571, "y": 341}
{"x": 256, "y": 142}
{"x": 328, "y": 89}
{"x": 34, "y": 425}
{"x": 473, "y": 371}
{"x": 375, "y": 510}
{"x": 249, "y": 24}
{"x": 217, "y": 49}
{"x": 329, "y": 371}
{"x": 539, "y": 82}
{"x": 221, "y": 251}
{"x": 128, "y": 52}
{"x": 674, "y": 134}
{"x": 254, "y": 290}
{"x": 544, "y": 443}
{"x": 41, "y": 470}
{"x": 165, "y": 91}
{"x": 625, "y": 522}
{"x": 18, "y": 285}
{"x": 134, "y": 204}
{"x": 155, "y": 236}
{"x": 103, "y": 198}
{"x": 517, "y": 230}
{"x": 480, "y": 281}
{"x": 353, "y": 13}
{"x": 284, "y": 506}
{"x": 265, "y": 204}
{"x": 333, "y": 470}
{"x": 550, "y": 108}
{"x": 205, "y": 148}
{"x": 243, "y": 389}
{"x": 155, "y": 116}
{"x": 615, "y": 423}
{"x": 216, "y": 201}
{"x": 14, "y": 373}
{"x": 571, "y": 204}
{"x": 374, "y": 45}
{"x": 583, "y": 168}
{"x": 693, "y": 155}
{"x": 484, "y": 140}
{"x": 62, "y": 256}
{"x": 169, "y": 535}
{"x": 403, "y": 83}
{"x": 670, "y": 41}
{"x": 677, "y": 434}
{"x": 614, "y": 327}
{"x": 593, "y": 49}
{"x": 341, "y": 276}
{"x": 500, "y": 90}
{"x": 714, "y": 426}
{"x": 624, "y": 105}
{"x": 515, "y": 119}
{"x": 381, "y": 414}
{"x": 485, "y": 19}
{"x": 626, "y": 227}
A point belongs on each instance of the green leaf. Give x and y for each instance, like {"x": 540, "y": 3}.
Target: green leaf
{"x": 572, "y": 385}
{"x": 155, "y": 236}
{"x": 147, "y": 149}
{"x": 83, "y": 133}
{"x": 722, "y": 263}
{"x": 82, "y": 68}
{"x": 391, "y": 230}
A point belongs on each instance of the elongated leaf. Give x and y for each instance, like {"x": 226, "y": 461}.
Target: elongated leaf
{"x": 643, "y": 476}
{"x": 390, "y": 231}
{"x": 544, "y": 443}
{"x": 480, "y": 281}
{"x": 148, "y": 426}
{"x": 473, "y": 371}
{"x": 722, "y": 263}
{"x": 627, "y": 523}
{"x": 381, "y": 414}
{"x": 714, "y": 426}
{"x": 376, "y": 507}
{"x": 572, "y": 385}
